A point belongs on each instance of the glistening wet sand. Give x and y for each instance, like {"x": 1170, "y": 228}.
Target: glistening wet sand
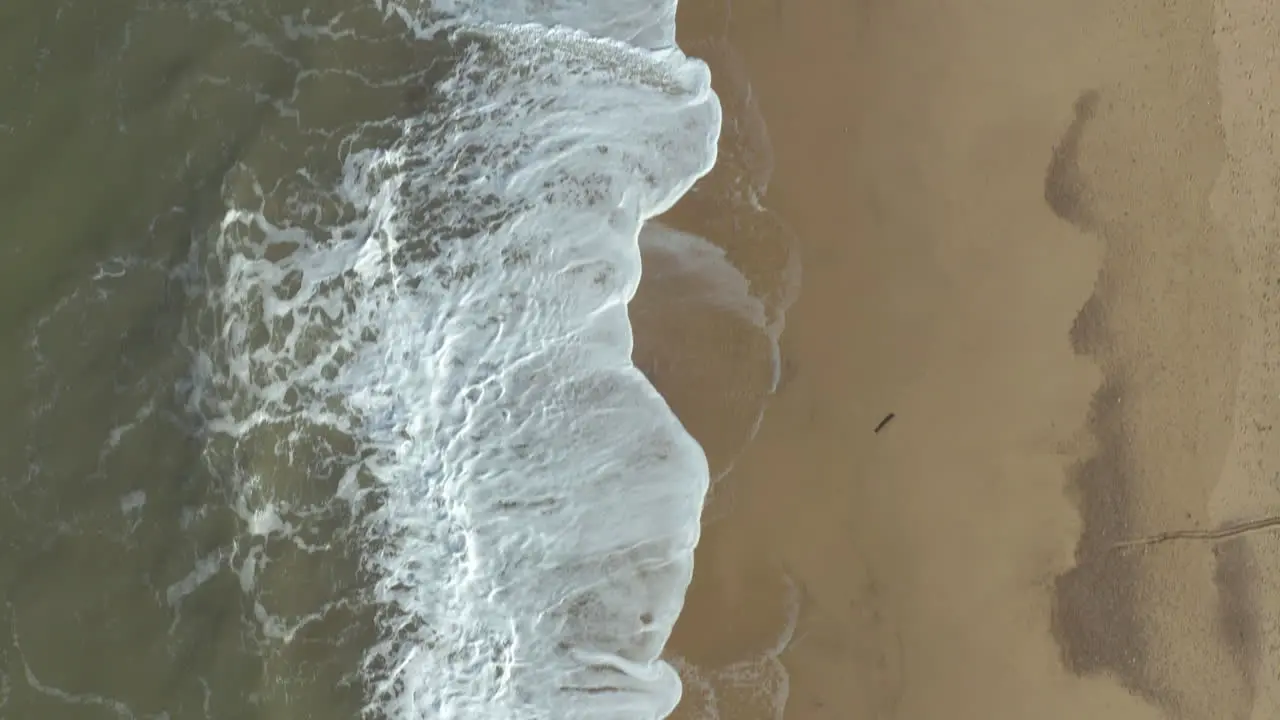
{"x": 1043, "y": 236}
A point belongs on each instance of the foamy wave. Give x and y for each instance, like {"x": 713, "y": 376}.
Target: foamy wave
{"x": 444, "y": 321}
{"x": 646, "y": 24}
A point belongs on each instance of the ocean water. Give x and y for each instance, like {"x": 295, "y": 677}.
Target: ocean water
{"x": 323, "y": 394}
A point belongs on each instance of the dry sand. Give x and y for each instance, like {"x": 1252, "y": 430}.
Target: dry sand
{"x": 1043, "y": 234}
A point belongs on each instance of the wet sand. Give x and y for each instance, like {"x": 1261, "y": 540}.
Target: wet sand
{"x": 1043, "y": 236}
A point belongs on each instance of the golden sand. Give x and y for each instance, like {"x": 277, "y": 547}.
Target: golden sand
{"x": 1042, "y": 234}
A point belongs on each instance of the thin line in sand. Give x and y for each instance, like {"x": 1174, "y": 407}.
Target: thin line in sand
{"x": 1250, "y": 527}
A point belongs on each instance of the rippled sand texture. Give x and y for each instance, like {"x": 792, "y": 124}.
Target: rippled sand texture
{"x": 1043, "y": 235}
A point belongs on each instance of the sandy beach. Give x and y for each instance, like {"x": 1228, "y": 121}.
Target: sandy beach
{"x": 1042, "y": 236}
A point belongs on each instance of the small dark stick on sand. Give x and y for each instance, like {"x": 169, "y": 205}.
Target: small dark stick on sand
{"x": 887, "y": 419}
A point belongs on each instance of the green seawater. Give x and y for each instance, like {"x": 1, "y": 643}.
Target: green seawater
{"x": 129, "y": 588}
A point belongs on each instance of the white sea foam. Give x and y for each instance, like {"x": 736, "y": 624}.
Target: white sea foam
{"x": 646, "y": 24}
{"x": 449, "y": 319}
